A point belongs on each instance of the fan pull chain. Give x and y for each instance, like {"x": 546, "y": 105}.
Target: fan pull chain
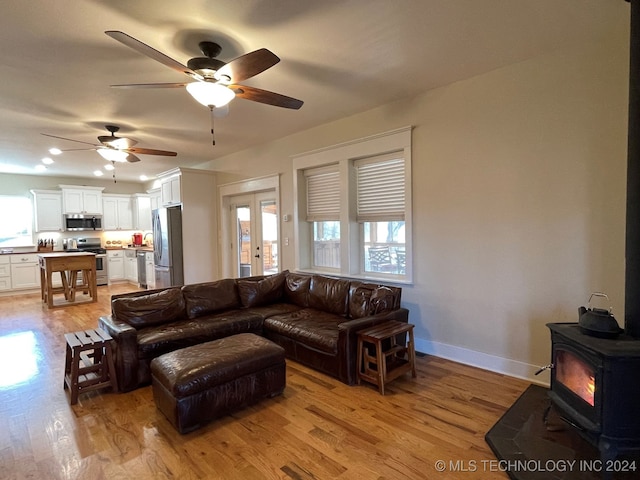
{"x": 114, "y": 171}
{"x": 213, "y": 137}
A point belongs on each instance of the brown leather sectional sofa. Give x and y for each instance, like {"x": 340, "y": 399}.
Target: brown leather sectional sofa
{"x": 314, "y": 318}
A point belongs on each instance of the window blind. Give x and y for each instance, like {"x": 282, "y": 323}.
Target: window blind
{"x": 323, "y": 194}
{"x": 381, "y": 188}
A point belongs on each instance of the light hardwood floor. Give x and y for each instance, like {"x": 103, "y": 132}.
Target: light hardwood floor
{"x": 318, "y": 429}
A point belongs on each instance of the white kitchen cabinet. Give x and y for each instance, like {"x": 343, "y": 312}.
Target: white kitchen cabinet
{"x": 131, "y": 266}
{"x": 141, "y": 211}
{"x": 150, "y": 270}
{"x": 25, "y": 272}
{"x": 154, "y": 196}
{"x": 47, "y": 207}
{"x": 85, "y": 200}
{"x": 115, "y": 262}
{"x": 5, "y": 272}
{"x": 117, "y": 212}
{"x": 170, "y": 191}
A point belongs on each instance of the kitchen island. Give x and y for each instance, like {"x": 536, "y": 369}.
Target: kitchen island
{"x": 68, "y": 264}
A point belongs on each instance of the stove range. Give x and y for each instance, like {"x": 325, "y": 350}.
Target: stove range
{"x": 94, "y": 245}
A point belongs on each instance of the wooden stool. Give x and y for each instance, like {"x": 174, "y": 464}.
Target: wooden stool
{"x": 389, "y": 362}
{"x": 89, "y": 362}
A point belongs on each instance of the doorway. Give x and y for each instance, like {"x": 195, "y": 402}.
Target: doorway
{"x": 254, "y": 227}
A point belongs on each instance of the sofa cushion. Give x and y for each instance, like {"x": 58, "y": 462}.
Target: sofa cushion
{"x": 329, "y": 294}
{"x": 153, "y": 309}
{"x": 296, "y": 289}
{"x": 313, "y": 328}
{"x": 254, "y": 293}
{"x": 369, "y": 299}
{"x": 384, "y": 299}
{"x": 154, "y": 341}
{"x": 205, "y": 298}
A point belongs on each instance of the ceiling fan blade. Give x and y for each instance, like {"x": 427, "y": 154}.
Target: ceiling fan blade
{"x": 69, "y": 139}
{"x": 151, "y": 52}
{"x": 150, "y": 151}
{"x": 117, "y": 142}
{"x": 264, "y": 96}
{"x": 131, "y": 158}
{"x": 151, "y": 85}
{"x": 247, "y": 65}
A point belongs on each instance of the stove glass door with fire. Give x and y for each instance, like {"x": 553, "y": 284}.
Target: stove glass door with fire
{"x": 575, "y": 386}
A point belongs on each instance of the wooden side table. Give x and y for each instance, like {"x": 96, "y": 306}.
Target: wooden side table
{"x": 391, "y": 359}
{"x": 89, "y": 363}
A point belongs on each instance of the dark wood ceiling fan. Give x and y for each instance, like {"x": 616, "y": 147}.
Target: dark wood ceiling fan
{"x": 210, "y": 70}
{"x": 114, "y": 148}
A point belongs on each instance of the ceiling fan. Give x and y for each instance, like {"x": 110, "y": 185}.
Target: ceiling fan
{"x": 116, "y": 149}
{"x": 213, "y": 75}
{"x": 215, "y": 83}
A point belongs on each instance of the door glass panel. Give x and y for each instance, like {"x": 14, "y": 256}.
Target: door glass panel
{"x": 269, "y": 237}
{"x": 243, "y": 217}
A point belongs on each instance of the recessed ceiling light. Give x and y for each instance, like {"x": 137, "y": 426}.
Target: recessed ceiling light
{"x": 55, "y": 151}
{"x": 47, "y": 161}
{"x": 144, "y": 178}
{"x": 98, "y": 173}
{"x": 109, "y": 167}
{"x": 40, "y": 168}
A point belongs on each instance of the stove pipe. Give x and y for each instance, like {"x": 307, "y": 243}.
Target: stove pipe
{"x": 632, "y": 249}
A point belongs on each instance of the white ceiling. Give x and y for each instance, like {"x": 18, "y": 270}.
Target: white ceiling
{"x": 339, "y": 57}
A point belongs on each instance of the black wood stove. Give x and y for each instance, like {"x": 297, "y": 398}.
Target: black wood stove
{"x": 595, "y": 388}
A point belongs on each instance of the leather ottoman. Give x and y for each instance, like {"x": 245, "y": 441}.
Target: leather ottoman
{"x": 197, "y": 384}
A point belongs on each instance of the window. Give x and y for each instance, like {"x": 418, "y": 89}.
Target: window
{"x": 380, "y": 211}
{"x": 323, "y": 215}
{"x": 17, "y": 221}
{"x": 356, "y": 199}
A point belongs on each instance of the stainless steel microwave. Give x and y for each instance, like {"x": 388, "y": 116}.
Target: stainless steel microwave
{"x": 78, "y": 222}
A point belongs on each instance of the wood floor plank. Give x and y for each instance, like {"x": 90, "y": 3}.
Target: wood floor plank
{"x": 318, "y": 429}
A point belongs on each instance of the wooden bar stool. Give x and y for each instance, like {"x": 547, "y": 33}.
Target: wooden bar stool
{"x": 89, "y": 363}
{"x": 391, "y": 358}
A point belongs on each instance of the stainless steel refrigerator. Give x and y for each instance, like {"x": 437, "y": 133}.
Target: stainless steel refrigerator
{"x": 167, "y": 246}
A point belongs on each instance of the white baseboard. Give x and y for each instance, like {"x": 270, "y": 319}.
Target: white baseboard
{"x": 505, "y": 366}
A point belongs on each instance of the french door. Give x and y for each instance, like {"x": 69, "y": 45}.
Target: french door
{"x": 254, "y": 234}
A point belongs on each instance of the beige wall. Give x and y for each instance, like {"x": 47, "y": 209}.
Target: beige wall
{"x": 519, "y": 179}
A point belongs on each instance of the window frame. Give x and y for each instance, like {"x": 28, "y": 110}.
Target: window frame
{"x": 352, "y": 247}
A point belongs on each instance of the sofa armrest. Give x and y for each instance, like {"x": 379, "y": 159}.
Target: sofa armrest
{"x": 400, "y": 315}
{"x": 125, "y": 350}
{"x": 348, "y": 339}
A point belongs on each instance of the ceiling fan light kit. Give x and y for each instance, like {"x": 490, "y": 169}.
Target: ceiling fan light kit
{"x": 113, "y": 155}
{"x": 210, "y": 94}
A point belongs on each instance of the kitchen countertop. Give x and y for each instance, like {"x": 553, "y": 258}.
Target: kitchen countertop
{"x": 126, "y": 247}
{"x": 27, "y": 252}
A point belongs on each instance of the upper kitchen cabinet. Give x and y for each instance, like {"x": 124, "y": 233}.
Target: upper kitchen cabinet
{"x": 85, "y": 200}
{"x": 141, "y": 211}
{"x": 47, "y": 206}
{"x": 154, "y": 196}
{"x": 170, "y": 189}
{"x": 117, "y": 212}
